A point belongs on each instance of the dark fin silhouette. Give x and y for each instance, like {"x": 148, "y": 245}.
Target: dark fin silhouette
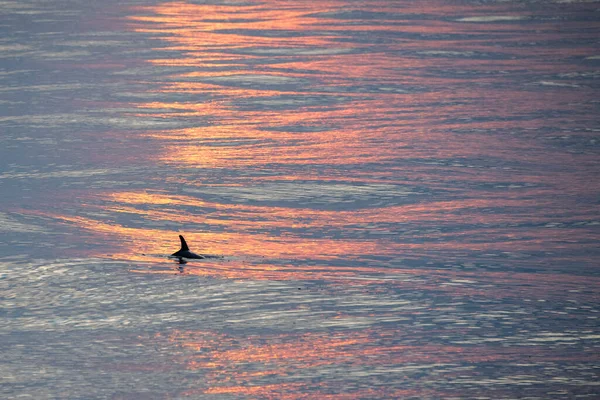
{"x": 184, "y": 246}
{"x": 185, "y": 252}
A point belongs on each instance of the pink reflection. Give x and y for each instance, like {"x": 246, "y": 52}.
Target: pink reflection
{"x": 346, "y": 108}
{"x": 249, "y": 254}
{"x": 243, "y": 365}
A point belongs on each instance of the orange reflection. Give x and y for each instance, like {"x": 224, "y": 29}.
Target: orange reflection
{"x": 156, "y": 241}
{"x": 395, "y": 123}
{"x": 286, "y": 92}
{"x": 259, "y": 365}
{"x": 269, "y": 242}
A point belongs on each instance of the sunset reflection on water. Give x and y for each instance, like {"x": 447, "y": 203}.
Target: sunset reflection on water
{"x": 291, "y": 100}
{"x": 401, "y": 198}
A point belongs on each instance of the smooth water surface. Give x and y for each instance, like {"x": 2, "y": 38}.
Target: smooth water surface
{"x": 404, "y": 196}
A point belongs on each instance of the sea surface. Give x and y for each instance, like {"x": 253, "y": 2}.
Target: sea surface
{"x": 402, "y": 198}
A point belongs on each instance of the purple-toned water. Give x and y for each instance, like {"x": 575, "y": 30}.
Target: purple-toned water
{"x": 405, "y": 196}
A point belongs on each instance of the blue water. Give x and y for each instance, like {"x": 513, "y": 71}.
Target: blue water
{"x": 403, "y": 197}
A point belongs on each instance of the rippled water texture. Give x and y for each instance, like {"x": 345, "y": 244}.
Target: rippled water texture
{"x": 403, "y": 196}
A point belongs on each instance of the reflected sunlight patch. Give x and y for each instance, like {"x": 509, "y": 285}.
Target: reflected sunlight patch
{"x": 321, "y": 193}
{"x": 493, "y": 18}
{"x": 263, "y": 81}
{"x": 64, "y": 173}
{"x": 294, "y": 51}
{"x": 10, "y": 224}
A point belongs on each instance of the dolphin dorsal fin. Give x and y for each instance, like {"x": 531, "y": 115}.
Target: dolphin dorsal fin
{"x": 184, "y": 246}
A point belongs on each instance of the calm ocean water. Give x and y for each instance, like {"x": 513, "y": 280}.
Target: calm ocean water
{"x": 404, "y": 196}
